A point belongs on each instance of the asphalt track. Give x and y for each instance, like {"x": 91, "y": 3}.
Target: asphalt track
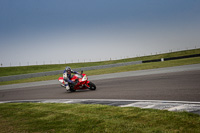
{"x": 173, "y": 86}
{"x": 172, "y": 89}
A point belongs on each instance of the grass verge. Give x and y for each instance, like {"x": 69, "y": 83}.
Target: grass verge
{"x": 49, "y": 117}
{"x": 143, "y": 66}
{"x": 6, "y": 71}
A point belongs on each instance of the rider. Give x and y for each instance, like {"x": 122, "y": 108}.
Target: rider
{"x": 67, "y": 76}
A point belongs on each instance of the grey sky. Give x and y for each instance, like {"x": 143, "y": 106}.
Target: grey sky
{"x": 56, "y": 31}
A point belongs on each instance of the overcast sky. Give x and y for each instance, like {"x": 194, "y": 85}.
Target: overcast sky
{"x": 52, "y": 31}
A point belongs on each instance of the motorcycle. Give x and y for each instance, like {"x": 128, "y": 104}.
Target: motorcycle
{"x": 82, "y": 83}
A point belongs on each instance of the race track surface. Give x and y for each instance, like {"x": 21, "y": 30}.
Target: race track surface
{"x": 175, "y": 86}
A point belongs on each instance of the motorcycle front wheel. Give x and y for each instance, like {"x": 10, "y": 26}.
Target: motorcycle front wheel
{"x": 92, "y": 86}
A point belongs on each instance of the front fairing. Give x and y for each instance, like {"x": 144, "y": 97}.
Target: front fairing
{"x": 83, "y": 81}
{"x": 84, "y": 78}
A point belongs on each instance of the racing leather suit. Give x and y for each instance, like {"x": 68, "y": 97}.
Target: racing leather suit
{"x": 67, "y": 77}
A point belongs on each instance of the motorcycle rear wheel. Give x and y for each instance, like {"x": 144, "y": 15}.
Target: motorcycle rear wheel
{"x": 92, "y": 86}
{"x": 71, "y": 88}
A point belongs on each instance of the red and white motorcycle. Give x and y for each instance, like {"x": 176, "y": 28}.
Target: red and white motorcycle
{"x": 83, "y": 83}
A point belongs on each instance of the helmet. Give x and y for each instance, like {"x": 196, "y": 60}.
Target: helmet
{"x": 68, "y": 68}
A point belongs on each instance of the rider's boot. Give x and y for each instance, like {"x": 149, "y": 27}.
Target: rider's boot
{"x": 67, "y": 87}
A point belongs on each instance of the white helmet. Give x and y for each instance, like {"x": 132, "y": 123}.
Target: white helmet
{"x": 68, "y": 69}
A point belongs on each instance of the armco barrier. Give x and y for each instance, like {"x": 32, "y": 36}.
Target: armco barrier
{"x": 172, "y": 58}
{"x": 24, "y": 76}
{"x": 182, "y": 57}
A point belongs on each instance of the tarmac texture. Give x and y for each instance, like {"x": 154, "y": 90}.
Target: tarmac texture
{"x": 174, "y": 90}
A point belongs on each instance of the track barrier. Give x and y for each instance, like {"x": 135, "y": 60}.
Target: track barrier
{"x": 24, "y": 76}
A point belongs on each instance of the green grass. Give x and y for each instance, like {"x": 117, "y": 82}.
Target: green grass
{"x": 76, "y": 118}
{"x": 143, "y": 66}
{"x": 6, "y": 71}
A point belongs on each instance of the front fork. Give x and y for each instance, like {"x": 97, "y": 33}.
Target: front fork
{"x": 87, "y": 82}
